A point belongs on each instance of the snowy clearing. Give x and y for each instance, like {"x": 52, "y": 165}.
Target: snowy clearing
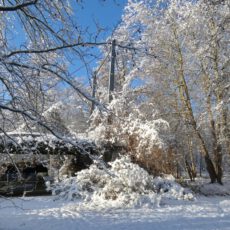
{"x": 44, "y": 213}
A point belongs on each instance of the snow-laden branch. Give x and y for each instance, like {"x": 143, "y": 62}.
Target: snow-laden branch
{"x": 55, "y": 134}
{"x": 131, "y": 47}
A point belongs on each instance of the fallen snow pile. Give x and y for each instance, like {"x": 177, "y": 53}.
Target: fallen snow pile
{"x": 216, "y": 189}
{"x": 124, "y": 184}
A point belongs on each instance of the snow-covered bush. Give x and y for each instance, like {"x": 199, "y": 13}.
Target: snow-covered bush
{"x": 127, "y": 126}
{"x": 169, "y": 189}
{"x": 124, "y": 184}
{"x": 126, "y": 121}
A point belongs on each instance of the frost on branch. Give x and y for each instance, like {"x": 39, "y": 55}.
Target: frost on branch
{"x": 127, "y": 123}
{"x": 127, "y": 126}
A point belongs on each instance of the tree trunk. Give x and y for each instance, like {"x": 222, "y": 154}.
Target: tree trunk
{"x": 211, "y": 169}
{"x": 218, "y": 163}
{"x": 190, "y": 170}
{"x": 186, "y": 100}
{"x": 217, "y": 150}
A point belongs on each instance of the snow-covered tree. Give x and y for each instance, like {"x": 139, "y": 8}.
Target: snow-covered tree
{"x": 39, "y": 41}
{"x": 175, "y": 55}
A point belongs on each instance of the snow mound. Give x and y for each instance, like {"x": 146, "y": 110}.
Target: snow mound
{"x": 225, "y": 205}
{"x": 170, "y": 189}
{"x": 124, "y": 184}
{"x": 215, "y": 189}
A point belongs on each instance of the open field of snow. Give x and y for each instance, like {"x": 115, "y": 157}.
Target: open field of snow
{"x": 39, "y": 213}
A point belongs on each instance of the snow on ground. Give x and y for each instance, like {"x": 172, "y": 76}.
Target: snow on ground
{"x": 202, "y": 186}
{"x": 39, "y": 213}
{"x": 123, "y": 196}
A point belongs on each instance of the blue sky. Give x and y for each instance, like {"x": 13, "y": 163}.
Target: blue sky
{"x": 106, "y": 13}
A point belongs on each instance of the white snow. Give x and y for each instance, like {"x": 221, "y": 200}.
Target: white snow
{"x": 125, "y": 197}
{"x": 124, "y": 184}
{"x": 204, "y": 187}
{"x": 206, "y": 213}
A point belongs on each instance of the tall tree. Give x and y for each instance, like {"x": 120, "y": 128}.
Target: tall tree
{"x": 178, "y": 49}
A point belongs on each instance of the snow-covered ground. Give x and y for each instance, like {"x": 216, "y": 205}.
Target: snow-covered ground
{"x": 123, "y": 196}
{"x": 39, "y": 213}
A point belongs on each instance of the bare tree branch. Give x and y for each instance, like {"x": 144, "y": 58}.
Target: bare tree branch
{"x": 32, "y": 51}
{"x": 18, "y": 6}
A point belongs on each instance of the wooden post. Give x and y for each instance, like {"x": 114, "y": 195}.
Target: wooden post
{"x": 112, "y": 70}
